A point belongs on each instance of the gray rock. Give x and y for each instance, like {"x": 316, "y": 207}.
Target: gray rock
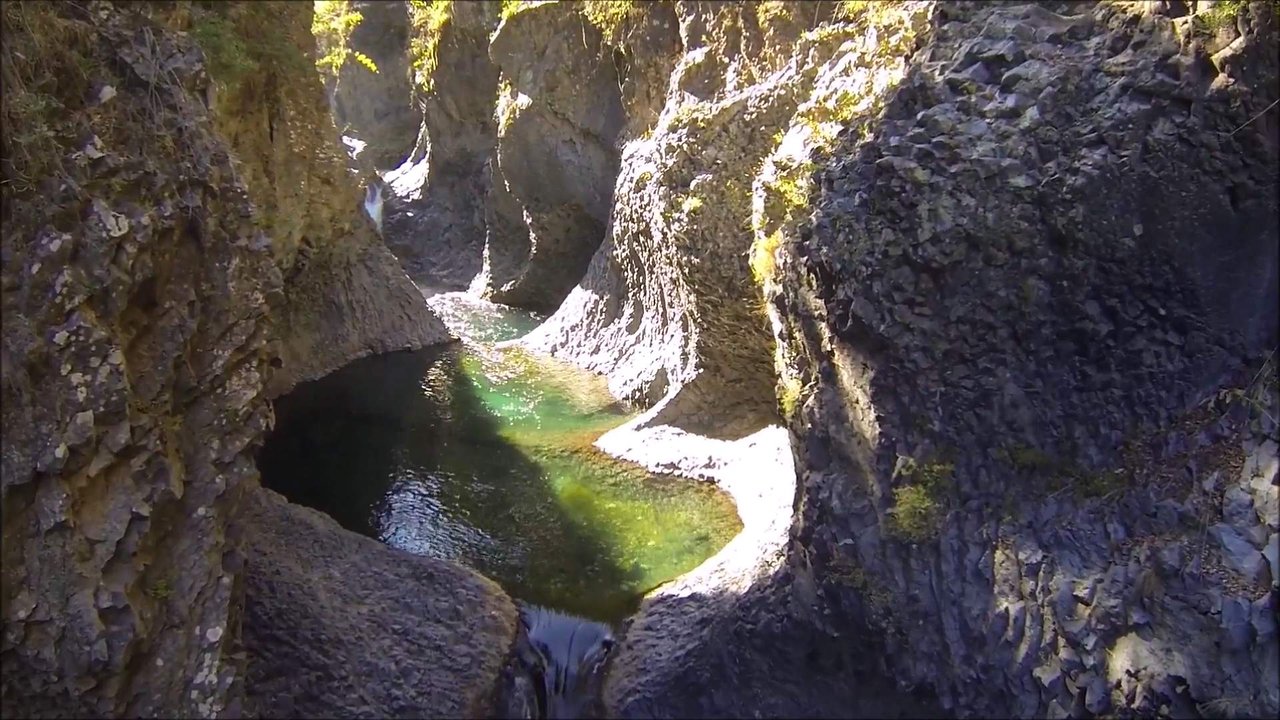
{"x": 556, "y": 159}
{"x": 437, "y": 221}
{"x": 1237, "y": 630}
{"x": 377, "y": 108}
{"x": 1272, "y": 553}
{"x": 1237, "y": 507}
{"x": 1097, "y": 693}
{"x": 1238, "y": 552}
{"x": 339, "y": 624}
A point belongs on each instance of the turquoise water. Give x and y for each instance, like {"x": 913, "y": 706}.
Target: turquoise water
{"x": 484, "y": 455}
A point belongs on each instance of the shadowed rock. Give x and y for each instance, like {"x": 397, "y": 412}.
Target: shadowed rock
{"x": 340, "y": 625}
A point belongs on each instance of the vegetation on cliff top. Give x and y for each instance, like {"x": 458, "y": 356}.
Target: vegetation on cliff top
{"x": 332, "y": 25}
{"x": 884, "y": 33}
{"x": 428, "y": 19}
{"x": 47, "y": 67}
{"x": 239, "y": 40}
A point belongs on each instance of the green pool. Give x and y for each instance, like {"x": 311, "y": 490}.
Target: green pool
{"x": 484, "y": 455}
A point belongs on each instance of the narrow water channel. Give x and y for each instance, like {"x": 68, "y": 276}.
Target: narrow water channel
{"x": 484, "y": 455}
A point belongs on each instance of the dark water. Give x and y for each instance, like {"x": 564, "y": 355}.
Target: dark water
{"x": 484, "y": 456}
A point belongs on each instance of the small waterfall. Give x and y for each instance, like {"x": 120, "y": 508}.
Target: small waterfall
{"x": 570, "y": 656}
{"x": 373, "y": 205}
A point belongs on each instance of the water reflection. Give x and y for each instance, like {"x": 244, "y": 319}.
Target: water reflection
{"x": 483, "y": 456}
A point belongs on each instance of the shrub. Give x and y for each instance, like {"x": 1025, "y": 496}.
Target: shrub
{"x": 332, "y": 24}
{"x": 1221, "y": 14}
{"x": 225, "y": 54}
{"x": 239, "y": 41}
{"x": 610, "y": 17}
{"x": 511, "y": 7}
{"x": 428, "y": 19}
{"x": 915, "y": 514}
{"x": 918, "y": 507}
{"x": 47, "y": 66}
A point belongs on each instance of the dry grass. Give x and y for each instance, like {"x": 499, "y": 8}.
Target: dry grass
{"x": 47, "y": 63}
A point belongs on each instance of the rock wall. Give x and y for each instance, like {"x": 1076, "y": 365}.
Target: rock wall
{"x": 436, "y": 218}
{"x": 559, "y": 114}
{"x": 136, "y": 292}
{"x": 176, "y": 248}
{"x": 377, "y": 107}
{"x": 1023, "y": 274}
{"x": 345, "y": 295}
{"x": 509, "y": 187}
{"x": 667, "y": 309}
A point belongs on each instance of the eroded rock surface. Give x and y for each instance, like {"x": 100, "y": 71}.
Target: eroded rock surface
{"x": 1007, "y": 280}
{"x": 560, "y": 112}
{"x": 436, "y": 217}
{"x": 136, "y": 293}
{"x": 667, "y": 309}
{"x": 345, "y": 295}
{"x": 338, "y": 624}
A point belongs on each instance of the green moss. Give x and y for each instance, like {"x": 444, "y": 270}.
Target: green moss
{"x": 1028, "y": 459}
{"x": 1220, "y": 14}
{"x": 774, "y": 11}
{"x": 1098, "y": 484}
{"x": 611, "y": 17}
{"x": 690, "y": 114}
{"x": 240, "y": 41}
{"x": 867, "y": 12}
{"x": 915, "y": 514}
{"x": 691, "y": 204}
{"x": 919, "y": 506}
{"x": 763, "y": 263}
{"x": 877, "y": 598}
{"x": 224, "y": 49}
{"x": 511, "y": 7}
{"x": 160, "y": 589}
{"x": 789, "y": 399}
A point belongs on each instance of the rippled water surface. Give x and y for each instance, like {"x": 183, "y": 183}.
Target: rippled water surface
{"x": 483, "y": 455}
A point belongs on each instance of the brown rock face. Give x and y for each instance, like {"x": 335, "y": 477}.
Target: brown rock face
{"x": 152, "y": 282}
{"x": 345, "y": 295}
{"x": 136, "y": 289}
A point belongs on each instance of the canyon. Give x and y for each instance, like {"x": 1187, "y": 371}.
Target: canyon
{"x": 969, "y": 309}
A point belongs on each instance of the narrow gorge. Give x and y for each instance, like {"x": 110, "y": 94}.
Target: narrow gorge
{"x": 558, "y": 359}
